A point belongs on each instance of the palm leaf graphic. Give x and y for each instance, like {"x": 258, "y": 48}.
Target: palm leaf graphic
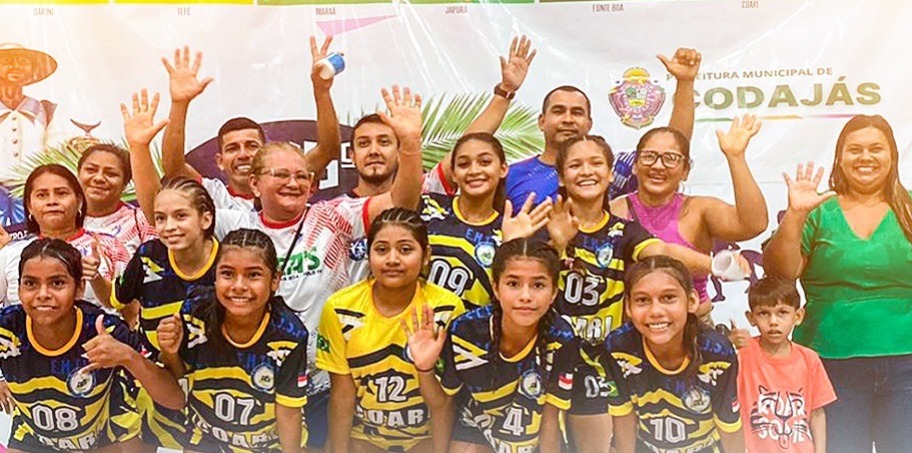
{"x": 67, "y": 154}
{"x": 446, "y": 118}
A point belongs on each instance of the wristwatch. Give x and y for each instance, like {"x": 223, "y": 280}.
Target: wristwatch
{"x": 508, "y": 95}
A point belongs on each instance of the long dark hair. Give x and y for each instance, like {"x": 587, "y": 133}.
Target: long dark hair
{"x": 55, "y": 169}
{"x": 55, "y": 249}
{"x": 563, "y": 153}
{"x": 530, "y": 249}
{"x": 214, "y": 312}
{"x": 500, "y": 193}
{"x": 676, "y": 270}
{"x": 197, "y": 195}
{"x": 894, "y": 192}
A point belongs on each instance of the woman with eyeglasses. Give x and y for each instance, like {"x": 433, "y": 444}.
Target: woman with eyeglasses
{"x": 312, "y": 240}
{"x": 662, "y": 164}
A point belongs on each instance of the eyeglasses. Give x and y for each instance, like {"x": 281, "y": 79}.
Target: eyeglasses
{"x": 669, "y": 159}
{"x": 283, "y": 176}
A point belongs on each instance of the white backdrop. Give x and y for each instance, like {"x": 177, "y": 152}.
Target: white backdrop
{"x": 855, "y": 53}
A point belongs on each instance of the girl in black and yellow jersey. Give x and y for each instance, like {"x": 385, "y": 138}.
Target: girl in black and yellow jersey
{"x": 158, "y": 279}
{"x": 375, "y": 404}
{"x": 244, "y": 353}
{"x": 507, "y": 368}
{"x": 466, "y": 231}
{"x": 674, "y": 383}
{"x": 64, "y": 361}
{"x": 598, "y": 247}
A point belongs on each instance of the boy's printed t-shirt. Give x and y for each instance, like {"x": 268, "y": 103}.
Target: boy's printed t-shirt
{"x": 777, "y": 396}
{"x": 677, "y": 410}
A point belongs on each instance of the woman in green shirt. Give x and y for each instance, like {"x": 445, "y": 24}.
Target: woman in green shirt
{"x": 851, "y": 247}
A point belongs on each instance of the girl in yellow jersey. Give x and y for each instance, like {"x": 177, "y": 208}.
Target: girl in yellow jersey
{"x": 375, "y": 404}
{"x": 69, "y": 366}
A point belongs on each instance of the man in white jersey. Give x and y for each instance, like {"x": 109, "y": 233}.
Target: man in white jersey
{"x": 239, "y": 138}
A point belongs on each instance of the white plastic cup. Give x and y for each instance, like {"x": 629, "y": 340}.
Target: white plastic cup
{"x": 331, "y": 65}
{"x": 727, "y": 266}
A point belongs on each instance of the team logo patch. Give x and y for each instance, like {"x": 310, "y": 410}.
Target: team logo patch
{"x": 79, "y": 383}
{"x": 604, "y": 255}
{"x": 484, "y": 253}
{"x": 357, "y": 249}
{"x": 264, "y": 377}
{"x": 530, "y": 384}
{"x": 636, "y": 99}
{"x": 696, "y": 400}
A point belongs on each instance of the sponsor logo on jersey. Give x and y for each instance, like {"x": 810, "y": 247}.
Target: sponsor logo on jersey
{"x": 357, "y": 249}
{"x": 264, "y": 377}
{"x": 80, "y": 383}
{"x": 484, "y": 253}
{"x": 696, "y": 400}
{"x": 530, "y": 384}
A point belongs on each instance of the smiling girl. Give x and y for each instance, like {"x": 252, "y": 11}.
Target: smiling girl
{"x": 465, "y": 231}
{"x": 361, "y": 343}
{"x": 508, "y": 367}
{"x": 62, "y": 356}
{"x": 675, "y": 384}
{"x": 158, "y": 280}
{"x": 245, "y": 353}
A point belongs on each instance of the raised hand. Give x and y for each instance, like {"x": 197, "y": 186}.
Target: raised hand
{"x": 182, "y": 75}
{"x": 802, "y": 192}
{"x": 734, "y": 142}
{"x": 425, "y": 342}
{"x": 527, "y": 221}
{"x": 139, "y": 127}
{"x": 92, "y": 262}
{"x": 562, "y": 224}
{"x": 170, "y": 334}
{"x": 515, "y": 66}
{"x": 684, "y": 65}
{"x": 317, "y": 55}
{"x": 404, "y": 113}
{"x": 104, "y": 351}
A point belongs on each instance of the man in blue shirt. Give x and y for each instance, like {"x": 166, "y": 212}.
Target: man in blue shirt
{"x": 566, "y": 113}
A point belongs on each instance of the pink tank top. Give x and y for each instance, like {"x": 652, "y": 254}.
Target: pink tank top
{"x": 662, "y": 221}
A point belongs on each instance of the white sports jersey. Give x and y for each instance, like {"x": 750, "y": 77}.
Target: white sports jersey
{"x": 128, "y": 224}
{"x": 223, "y": 198}
{"x": 319, "y": 264}
{"x": 113, "y": 263}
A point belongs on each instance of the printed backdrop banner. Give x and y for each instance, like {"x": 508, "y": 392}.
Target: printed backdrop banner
{"x": 804, "y": 67}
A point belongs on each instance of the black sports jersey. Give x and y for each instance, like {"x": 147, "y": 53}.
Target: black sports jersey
{"x": 461, "y": 252}
{"x": 232, "y": 401}
{"x": 153, "y": 279}
{"x": 677, "y": 410}
{"x": 594, "y": 299}
{"x": 504, "y": 398}
{"x": 58, "y": 407}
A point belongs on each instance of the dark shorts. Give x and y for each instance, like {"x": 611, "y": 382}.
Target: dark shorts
{"x": 591, "y": 385}
{"x": 316, "y": 414}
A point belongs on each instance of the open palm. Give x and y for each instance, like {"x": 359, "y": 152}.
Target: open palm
{"x": 802, "y": 192}
{"x": 184, "y": 83}
{"x": 425, "y": 341}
